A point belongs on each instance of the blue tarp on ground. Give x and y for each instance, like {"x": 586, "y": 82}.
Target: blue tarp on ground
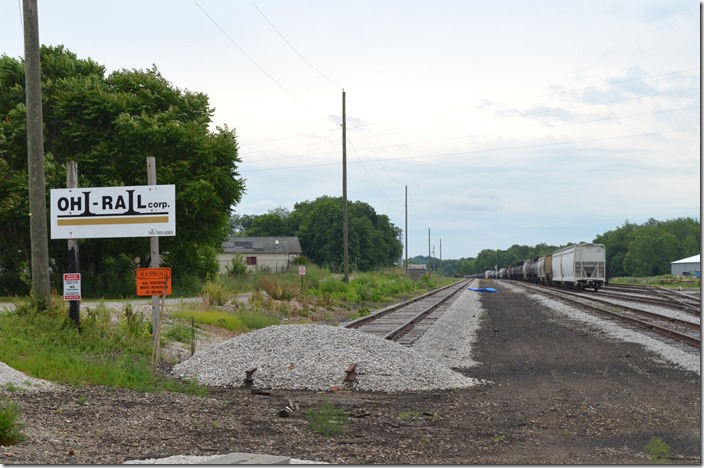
{"x": 483, "y": 289}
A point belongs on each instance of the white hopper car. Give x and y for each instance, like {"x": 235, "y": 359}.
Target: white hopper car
{"x": 580, "y": 266}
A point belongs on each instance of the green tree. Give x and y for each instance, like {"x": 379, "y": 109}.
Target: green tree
{"x": 109, "y": 125}
{"x": 373, "y": 239}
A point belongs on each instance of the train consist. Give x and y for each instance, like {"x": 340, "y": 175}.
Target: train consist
{"x": 580, "y": 266}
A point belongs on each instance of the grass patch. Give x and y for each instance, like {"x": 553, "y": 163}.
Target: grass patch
{"x": 240, "y": 321}
{"x": 114, "y": 353}
{"x": 662, "y": 281}
{"x": 327, "y": 419}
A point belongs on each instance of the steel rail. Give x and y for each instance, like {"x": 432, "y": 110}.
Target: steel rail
{"x": 394, "y": 331}
{"x": 683, "y": 337}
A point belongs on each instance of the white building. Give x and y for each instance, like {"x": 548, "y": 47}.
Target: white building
{"x": 687, "y": 266}
{"x": 271, "y": 254}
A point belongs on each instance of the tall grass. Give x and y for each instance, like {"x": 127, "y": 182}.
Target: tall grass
{"x": 238, "y": 321}
{"x": 102, "y": 352}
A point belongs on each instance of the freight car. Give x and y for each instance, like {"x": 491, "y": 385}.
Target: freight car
{"x": 580, "y": 266}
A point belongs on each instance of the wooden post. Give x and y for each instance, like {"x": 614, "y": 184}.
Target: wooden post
{"x": 39, "y": 239}
{"x": 155, "y": 262}
{"x": 406, "y": 230}
{"x": 74, "y": 307}
{"x": 345, "y": 215}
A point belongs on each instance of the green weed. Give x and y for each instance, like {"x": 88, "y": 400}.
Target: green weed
{"x": 215, "y": 293}
{"x": 10, "y": 428}
{"x": 328, "y": 419}
{"x": 658, "y": 451}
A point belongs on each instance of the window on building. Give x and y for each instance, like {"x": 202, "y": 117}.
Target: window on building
{"x": 251, "y": 260}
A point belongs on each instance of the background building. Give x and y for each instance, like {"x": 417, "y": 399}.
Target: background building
{"x": 271, "y": 254}
{"x": 687, "y": 266}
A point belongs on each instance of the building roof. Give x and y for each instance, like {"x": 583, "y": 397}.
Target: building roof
{"x": 694, "y": 259}
{"x": 248, "y": 245}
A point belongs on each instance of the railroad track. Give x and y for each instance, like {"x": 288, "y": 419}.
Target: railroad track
{"x": 656, "y": 296}
{"x": 405, "y": 321}
{"x": 685, "y": 331}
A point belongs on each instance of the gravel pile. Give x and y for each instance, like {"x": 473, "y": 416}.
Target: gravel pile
{"x": 314, "y": 357}
{"x": 11, "y": 380}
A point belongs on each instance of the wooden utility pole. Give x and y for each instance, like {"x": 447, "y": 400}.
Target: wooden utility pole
{"x": 406, "y": 229}
{"x": 345, "y": 220}
{"x": 74, "y": 306}
{"x": 429, "y": 252}
{"x": 154, "y": 262}
{"x": 35, "y": 154}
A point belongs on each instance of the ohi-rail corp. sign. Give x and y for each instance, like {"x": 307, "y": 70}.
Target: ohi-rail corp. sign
{"x": 100, "y": 212}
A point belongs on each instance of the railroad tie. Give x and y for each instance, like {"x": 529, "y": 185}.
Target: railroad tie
{"x": 351, "y": 377}
{"x": 249, "y": 380}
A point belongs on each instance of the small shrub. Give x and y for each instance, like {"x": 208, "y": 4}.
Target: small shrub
{"x": 215, "y": 293}
{"x": 10, "y": 429}
{"x": 237, "y": 267}
{"x": 327, "y": 420}
{"x": 658, "y": 451}
{"x": 280, "y": 290}
{"x": 362, "y": 312}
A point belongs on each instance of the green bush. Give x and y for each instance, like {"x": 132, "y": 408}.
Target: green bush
{"x": 215, "y": 293}
{"x": 658, "y": 451}
{"x": 237, "y": 267}
{"x": 10, "y": 428}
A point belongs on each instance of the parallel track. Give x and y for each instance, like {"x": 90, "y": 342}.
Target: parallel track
{"x": 395, "y": 321}
{"x": 681, "y": 330}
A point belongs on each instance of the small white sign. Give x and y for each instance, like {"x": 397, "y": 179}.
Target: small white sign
{"x": 108, "y": 212}
{"x": 301, "y": 270}
{"x": 72, "y": 286}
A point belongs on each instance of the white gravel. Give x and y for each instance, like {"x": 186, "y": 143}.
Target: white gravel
{"x": 449, "y": 340}
{"x": 314, "y": 357}
{"x": 689, "y": 361}
{"x": 13, "y": 380}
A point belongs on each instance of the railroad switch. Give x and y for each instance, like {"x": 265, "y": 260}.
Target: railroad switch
{"x": 351, "y": 377}
{"x": 249, "y": 380}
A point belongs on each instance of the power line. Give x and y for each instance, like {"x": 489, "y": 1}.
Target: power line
{"x": 474, "y": 135}
{"x": 518, "y": 115}
{"x": 252, "y": 60}
{"x": 490, "y": 150}
{"x": 293, "y": 48}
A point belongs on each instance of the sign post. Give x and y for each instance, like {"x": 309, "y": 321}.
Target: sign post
{"x": 74, "y": 306}
{"x": 302, "y": 274}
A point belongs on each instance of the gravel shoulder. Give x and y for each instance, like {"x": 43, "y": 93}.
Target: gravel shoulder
{"x": 556, "y": 389}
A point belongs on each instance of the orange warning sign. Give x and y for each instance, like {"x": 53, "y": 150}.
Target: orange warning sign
{"x": 153, "y": 281}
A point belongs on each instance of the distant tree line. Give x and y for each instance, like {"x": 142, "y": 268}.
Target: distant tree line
{"x": 374, "y": 242}
{"x": 632, "y": 250}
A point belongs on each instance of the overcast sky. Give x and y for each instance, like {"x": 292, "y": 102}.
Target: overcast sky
{"x": 510, "y": 122}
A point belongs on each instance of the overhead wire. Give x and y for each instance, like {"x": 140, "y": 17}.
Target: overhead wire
{"x": 293, "y": 48}
{"x": 496, "y": 104}
{"x": 274, "y": 80}
{"x": 487, "y": 150}
{"x": 502, "y": 132}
